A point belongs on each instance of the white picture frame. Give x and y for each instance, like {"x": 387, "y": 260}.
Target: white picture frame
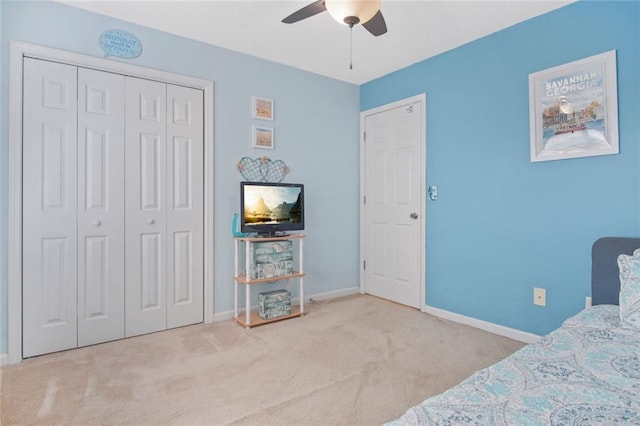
{"x": 262, "y": 108}
{"x": 263, "y": 137}
{"x": 573, "y": 109}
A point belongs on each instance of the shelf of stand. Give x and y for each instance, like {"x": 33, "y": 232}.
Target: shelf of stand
{"x": 251, "y": 319}
{"x": 242, "y": 279}
{"x": 256, "y": 320}
{"x": 278, "y": 238}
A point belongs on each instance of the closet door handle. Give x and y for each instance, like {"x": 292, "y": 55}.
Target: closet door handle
{"x": 97, "y": 223}
{"x": 151, "y": 221}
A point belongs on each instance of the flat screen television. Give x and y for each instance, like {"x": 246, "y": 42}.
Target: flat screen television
{"x": 271, "y": 209}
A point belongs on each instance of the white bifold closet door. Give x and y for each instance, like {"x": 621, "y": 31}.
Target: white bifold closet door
{"x": 49, "y": 204}
{"x": 101, "y": 279}
{"x": 164, "y": 206}
{"x": 73, "y": 238}
{"x": 146, "y": 203}
{"x": 112, "y": 206}
{"x": 185, "y": 209}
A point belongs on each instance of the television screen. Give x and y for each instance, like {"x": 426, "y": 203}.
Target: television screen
{"x": 271, "y": 208}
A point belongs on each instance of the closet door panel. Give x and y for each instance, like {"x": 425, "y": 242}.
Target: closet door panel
{"x": 185, "y": 218}
{"x": 49, "y": 208}
{"x": 100, "y": 206}
{"x": 145, "y": 207}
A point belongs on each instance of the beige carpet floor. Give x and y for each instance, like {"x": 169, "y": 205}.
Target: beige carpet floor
{"x": 350, "y": 361}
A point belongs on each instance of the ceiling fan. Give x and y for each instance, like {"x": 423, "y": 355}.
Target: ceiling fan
{"x": 348, "y": 12}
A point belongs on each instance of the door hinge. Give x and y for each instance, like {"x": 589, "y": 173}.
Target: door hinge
{"x": 365, "y": 136}
{"x": 364, "y": 201}
{"x": 364, "y": 264}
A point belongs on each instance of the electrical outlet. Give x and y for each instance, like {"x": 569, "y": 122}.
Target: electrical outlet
{"x": 539, "y": 296}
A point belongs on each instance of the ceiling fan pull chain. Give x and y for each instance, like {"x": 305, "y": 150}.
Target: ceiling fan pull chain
{"x": 351, "y": 47}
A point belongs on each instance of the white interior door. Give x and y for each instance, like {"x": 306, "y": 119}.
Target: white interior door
{"x": 185, "y": 219}
{"x": 49, "y": 269}
{"x": 100, "y": 206}
{"x": 393, "y": 203}
{"x": 145, "y": 206}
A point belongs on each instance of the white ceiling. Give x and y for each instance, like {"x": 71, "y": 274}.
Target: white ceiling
{"x": 417, "y": 29}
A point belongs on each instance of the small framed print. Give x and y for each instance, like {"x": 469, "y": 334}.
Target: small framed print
{"x": 263, "y": 108}
{"x": 262, "y": 137}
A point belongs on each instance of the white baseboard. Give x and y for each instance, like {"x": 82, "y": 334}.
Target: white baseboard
{"x": 500, "y": 330}
{"x": 334, "y": 294}
{"x": 512, "y": 333}
{"x": 227, "y": 315}
{"x": 4, "y": 360}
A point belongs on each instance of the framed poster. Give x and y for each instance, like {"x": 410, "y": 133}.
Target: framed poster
{"x": 263, "y": 108}
{"x": 262, "y": 137}
{"x": 573, "y": 109}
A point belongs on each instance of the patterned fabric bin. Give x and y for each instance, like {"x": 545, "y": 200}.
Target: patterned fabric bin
{"x": 270, "y": 259}
{"x": 274, "y": 304}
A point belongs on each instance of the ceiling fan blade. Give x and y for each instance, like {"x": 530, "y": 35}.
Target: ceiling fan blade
{"x": 306, "y": 12}
{"x": 376, "y": 25}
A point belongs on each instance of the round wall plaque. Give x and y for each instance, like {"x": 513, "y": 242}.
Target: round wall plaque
{"x": 121, "y": 44}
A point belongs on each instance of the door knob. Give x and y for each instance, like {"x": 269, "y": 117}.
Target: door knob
{"x": 97, "y": 223}
{"x": 151, "y": 221}
{"x": 413, "y": 215}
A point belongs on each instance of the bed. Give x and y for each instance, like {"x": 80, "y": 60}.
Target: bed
{"x": 585, "y": 372}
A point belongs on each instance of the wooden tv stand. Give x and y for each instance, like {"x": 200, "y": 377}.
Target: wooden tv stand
{"x": 252, "y": 319}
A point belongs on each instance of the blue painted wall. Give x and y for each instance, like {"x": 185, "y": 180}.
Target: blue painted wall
{"x": 504, "y": 225}
{"x": 316, "y": 135}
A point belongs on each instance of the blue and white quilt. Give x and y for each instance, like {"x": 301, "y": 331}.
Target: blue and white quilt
{"x": 586, "y": 372}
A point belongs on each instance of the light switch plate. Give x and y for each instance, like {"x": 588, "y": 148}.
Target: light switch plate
{"x": 433, "y": 192}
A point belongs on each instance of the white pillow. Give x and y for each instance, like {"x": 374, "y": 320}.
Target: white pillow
{"x": 630, "y": 289}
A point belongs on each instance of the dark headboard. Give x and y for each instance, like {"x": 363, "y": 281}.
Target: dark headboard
{"x": 605, "y": 281}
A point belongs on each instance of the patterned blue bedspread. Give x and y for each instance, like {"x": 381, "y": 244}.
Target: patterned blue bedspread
{"x": 585, "y": 372}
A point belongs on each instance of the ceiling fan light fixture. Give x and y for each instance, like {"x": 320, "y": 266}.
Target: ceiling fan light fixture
{"x": 352, "y": 12}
